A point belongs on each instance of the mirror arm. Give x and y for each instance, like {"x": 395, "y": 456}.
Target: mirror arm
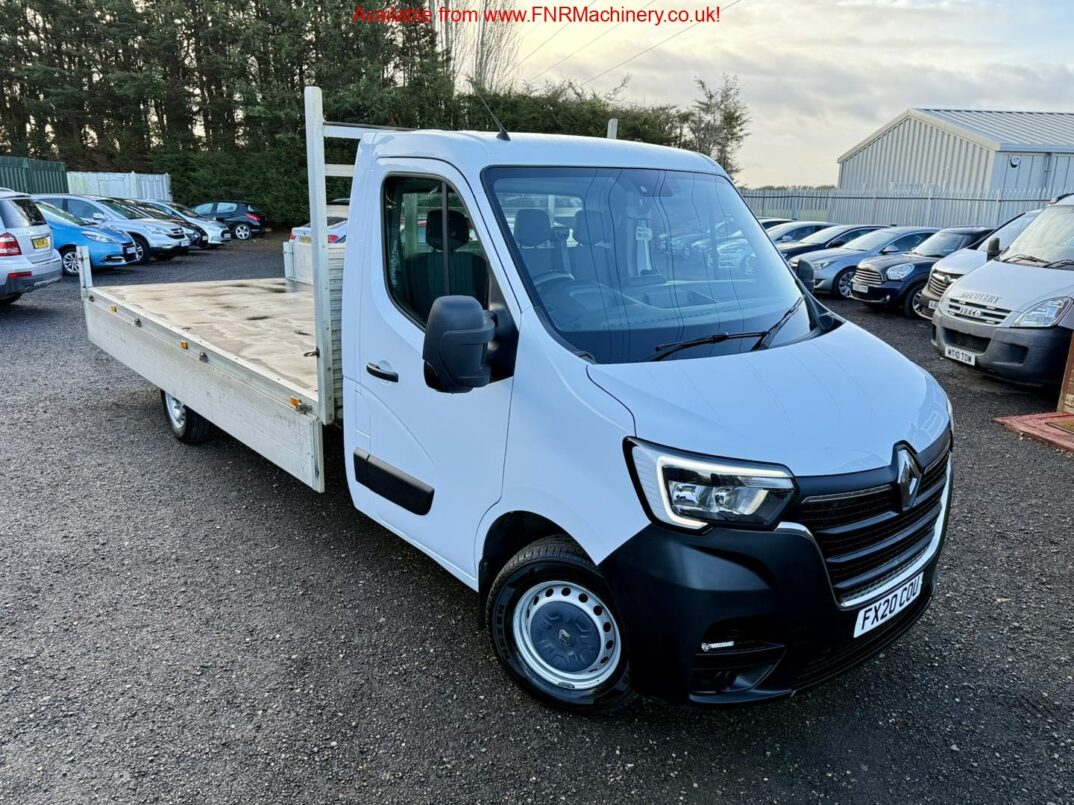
{"x": 504, "y": 345}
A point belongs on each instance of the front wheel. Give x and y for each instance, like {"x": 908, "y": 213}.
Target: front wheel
{"x": 242, "y": 231}
{"x": 186, "y": 425}
{"x": 72, "y": 266}
{"x": 141, "y": 250}
{"x": 554, "y": 628}
{"x": 912, "y": 304}
{"x": 843, "y": 283}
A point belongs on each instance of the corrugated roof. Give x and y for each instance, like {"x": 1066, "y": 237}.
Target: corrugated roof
{"x": 1012, "y": 130}
{"x": 998, "y": 130}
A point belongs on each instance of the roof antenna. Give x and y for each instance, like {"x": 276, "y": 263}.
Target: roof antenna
{"x": 503, "y": 135}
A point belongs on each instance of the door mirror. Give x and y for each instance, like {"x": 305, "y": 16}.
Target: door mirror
{"x": 99, "y": 217}
{"x": 457, "y": 336}
{"x": 993, "y": 249}
{"x": 804, "y": 271}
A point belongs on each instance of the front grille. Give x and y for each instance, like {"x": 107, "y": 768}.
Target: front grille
{"x": 972, "y": 311}
{"x": 865, "y": 537}
{"x": 868, "y": 276}
{"x": 940, "y": 282}
{"x": 974, "y": 343}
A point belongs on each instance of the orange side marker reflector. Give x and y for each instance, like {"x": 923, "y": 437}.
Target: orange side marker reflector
{"x": 113, "y": 308}
{"x": 295, "y": 402}
{"x": 184, "y": 345}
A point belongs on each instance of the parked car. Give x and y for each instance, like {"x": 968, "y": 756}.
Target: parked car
{"x": 794, "y": 231}
{"x": 832, "y": 269}
{"x": 242, "y": 218}
{"x": 768, "y": 223}
{"x": 28, "y": 259}
{"x": 108, "y": 248}
{"x": 952, "y": 268}
{"x": 1013, "y": 316}
{"x": 217, "y": 233}
{"x": 897, "y": 280}
{"x": 195, "y": 233}
{"x": 830, "y": 237}
{"x": 152, "y": 237}
{"x": 337, "y": 231}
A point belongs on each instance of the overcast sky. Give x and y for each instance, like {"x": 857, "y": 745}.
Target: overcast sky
{"x": 820, "y": 75}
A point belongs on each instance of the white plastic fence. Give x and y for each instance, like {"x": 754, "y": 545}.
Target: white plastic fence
{"x": 156, "y": 186}
{"x": 904, "y": 208}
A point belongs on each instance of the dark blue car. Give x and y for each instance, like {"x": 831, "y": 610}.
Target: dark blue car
{"x": 897, "y": 280}
{"x": 108, "y": 248}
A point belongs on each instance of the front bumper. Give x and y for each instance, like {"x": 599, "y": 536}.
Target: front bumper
{"x": 823, "y": 278}
{"x": 890, "y": 292}
{"x": 736, "y": 616}
{"x": 166, "y": 244}
{"x": 219, "y": 238}
{"x": 39, "y": 275}
{"x": 1031, "y": 355}
{"x": 110, "y": 255}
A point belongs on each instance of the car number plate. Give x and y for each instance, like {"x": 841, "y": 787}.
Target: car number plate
{"x": 960, "y": 355}
{"x": 184, "y": 242}
{"x": 305, "y": 239}
{"x": 40, "y": 243}
{"x": 932, "y": 304}
{"x": 860, "y": 288}
{"x": 889, "y": 606}
{"x": 129, "y": 251}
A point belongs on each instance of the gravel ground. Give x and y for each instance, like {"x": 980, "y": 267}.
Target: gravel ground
{"x": 191, "y": 625}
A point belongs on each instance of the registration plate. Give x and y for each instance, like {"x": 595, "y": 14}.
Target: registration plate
{"x": 858, "y": 288}
{"x": 40, "y": 243}
{"x": 960, "y": 355}
{"x": 184, "y": 242}
{"x": 129, "y": 251}
{"x": 305, "y": 239}
{"x": 889, "y": 606}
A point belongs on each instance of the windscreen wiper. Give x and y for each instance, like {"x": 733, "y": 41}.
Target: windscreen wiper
{"x": 663, "y": 350}
{"x": 1066, "y": 261}
{"x": 775, "y": 328}
{"x": 1028, "y": 258}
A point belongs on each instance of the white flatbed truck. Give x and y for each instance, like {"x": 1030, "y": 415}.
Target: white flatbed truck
{"x": 665, "y": 470}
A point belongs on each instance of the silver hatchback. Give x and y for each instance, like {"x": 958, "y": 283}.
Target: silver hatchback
{"x": 28, "y": 258}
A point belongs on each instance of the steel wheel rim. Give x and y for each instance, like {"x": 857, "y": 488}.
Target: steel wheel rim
{"x": 176, "y": 411}
{"x": 845, "y": 283}
{"x": 566, "y": 635}
{"x": 70, "y": 263}
{"x": 242, "y": 231}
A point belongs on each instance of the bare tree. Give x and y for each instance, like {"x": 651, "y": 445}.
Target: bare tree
{"x": 479, "y": 51}
{"x": 716, "y": 124}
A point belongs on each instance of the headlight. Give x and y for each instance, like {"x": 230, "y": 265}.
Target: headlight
{"x": 159, "y": 230}
{"x": 690, "y": 492}
{"x": 823, "y": 264}
{"x": 1046, "y": 314}
{"x": 90, "y": 234}
{"x": 899, "y": 272}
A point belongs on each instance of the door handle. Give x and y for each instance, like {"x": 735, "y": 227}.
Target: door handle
{"x": 383, "y": 374}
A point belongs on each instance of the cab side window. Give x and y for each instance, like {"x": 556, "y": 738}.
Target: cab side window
{"x": 430, "y": 247}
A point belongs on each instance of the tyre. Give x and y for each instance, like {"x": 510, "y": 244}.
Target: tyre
{"x": 69, "y": 260}
{"x": 842, "y": 283}
{"x": 554, "y": 628}
{"x": 242, "y": 231}
{"x": 141, "y": 250}
{"x": 912, "y": 302}
{"x": 186, "y": 424}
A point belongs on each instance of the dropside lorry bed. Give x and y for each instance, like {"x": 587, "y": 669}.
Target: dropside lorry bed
{"x": 245, "y": 354}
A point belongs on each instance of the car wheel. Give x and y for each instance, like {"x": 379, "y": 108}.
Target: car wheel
{"x": 554, "y": 628}
{"x": 841, "y": 285}
{"x": 242, "y": 231}
{"x": 72, "y": 267}
{"x": 141, "y": 250}
{"x": 913, "y": 302}
{"x": 186, "y": 424}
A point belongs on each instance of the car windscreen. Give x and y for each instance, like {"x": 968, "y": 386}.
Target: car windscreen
{"x": 822, "y": 236}
{"x": 20, "y": 212}
{"x": 1049, "y": 239}
{"x": 870, "y": 240}
{"x": 185, "y": 210}
{"x": 647, "y": 259}
{"x": 943, "y": 243}
{"x": 121, "y": 209}
{"x": 1009, "y": 231}
{"x": 790, "y": 228}
{"x": 54, "y": 214}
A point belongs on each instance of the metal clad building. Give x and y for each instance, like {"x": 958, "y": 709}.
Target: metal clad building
{"x": 964, "y": 150}
{"x": 33, "y": 175}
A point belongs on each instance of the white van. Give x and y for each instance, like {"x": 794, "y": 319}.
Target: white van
{"x": 663, "y": 473}
{"x": 1013, "y": 317}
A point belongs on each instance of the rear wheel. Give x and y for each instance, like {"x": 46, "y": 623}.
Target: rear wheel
{"x": 70, "y": 262}
{"x": 913, "y": 303}
{"x": 186, "y": 425}
{"x": 242, "y": 231}
{"x": 841, "y": 285}
{"x": 554, "y": 628}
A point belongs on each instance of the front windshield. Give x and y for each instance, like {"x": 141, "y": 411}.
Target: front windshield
{"x": 822, "y": 236}
{"x": 150, "y": 212}
{"x": 869, "y": 241}
{"x": 789, "y": 228}
{"x": 625, "y": 261}
{"x": 184, "y": 210}
{"x": 943, "y": 243}
{"x": 121, "y": 209}
{"x": 1009, "y": 231}
{"x": 55, "y": 214}
{"x": 1049, "y": 239}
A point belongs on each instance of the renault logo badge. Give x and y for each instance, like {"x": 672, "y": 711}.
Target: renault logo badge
{"x": 908, "y": 477}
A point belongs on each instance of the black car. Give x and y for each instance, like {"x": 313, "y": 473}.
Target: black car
{"x": 831, "y": 237}
{"x": 897, "y": 280}
{"x": 243, "y": 219}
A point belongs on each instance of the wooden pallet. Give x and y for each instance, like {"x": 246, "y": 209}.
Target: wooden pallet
{"x": 1054, "y": 428}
